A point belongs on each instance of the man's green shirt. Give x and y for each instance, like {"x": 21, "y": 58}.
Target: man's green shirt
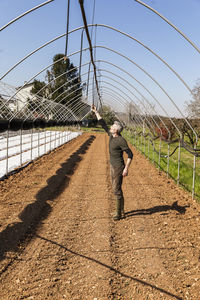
{"x": 116, "y": 147}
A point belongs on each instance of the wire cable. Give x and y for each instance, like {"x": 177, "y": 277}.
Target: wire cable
{"x": 90, "y": 46}
{"x": 66, "y": 44}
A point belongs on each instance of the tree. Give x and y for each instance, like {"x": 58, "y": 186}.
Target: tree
{"x": 66, "y": 85}
{"x": 108, "y": 115}
{"x": 38, "y": 88}
{"x": 193, "y": 107}
{"x": 62, "y": 84}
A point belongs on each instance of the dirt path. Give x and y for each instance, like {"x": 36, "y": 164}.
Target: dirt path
{"x": 58, "y": 239}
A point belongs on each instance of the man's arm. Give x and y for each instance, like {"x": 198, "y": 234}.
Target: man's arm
{"x": 125, "y": 171}
{"x": 128, "y": 151}
{"x": 99, "y": 118}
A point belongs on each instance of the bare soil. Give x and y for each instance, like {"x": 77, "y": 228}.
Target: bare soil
{"x": 58, "y": 239}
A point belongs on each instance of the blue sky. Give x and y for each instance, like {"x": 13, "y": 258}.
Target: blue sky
{"x": 44, "y": 24}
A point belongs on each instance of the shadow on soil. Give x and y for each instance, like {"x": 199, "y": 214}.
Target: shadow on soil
{"x": 112, "y": 269}
{"x": 37, "y": 211}
{"x": 157, "y": 209}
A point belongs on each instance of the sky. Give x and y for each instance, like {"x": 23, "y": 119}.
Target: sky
{"x": 125, "y": 74}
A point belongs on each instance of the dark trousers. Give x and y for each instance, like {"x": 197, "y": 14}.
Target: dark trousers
{"x": 117, "y": 179}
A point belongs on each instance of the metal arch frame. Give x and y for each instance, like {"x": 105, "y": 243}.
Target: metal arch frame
{"x": 140, "y": 120}
{"x": 79, "y": 104}
{"x": 126, "y": 102}
{"x": 82, "y": 104}
{"x": 73, "y": 98}
{"x": 112, "y": 28}
{"x": 133, "y": 102}
{"x": 133, "y": 95}
{"x": 87, "y": 49}
{"x": 108, "y": 27}
{"x": 109, "y": 49}
{"x": 142, "y": 123}
{"x": 36, "y": 50}
{"x": 169, "y": 23}
{"x": 126, "y": 96}
{"x": 149, "y": 49}
{"x": 139, "y": 91}
{"x": 99, "y": 70}
{"x": 119, "y": 97}
{"x": 11, "y": 88}
{"x": 43, "y": 88}
{"x": 74, "y": 107}
{"x": 54, "y": 91}
{"x": 156, "y": 82}
{"x": 110, "y": 105}
{"x": 129, "y": 36}
{"x": 50, "y": 101}
{"x": 76, "y": 90}
{"x": 128, "y": 59}
{"x": 79, "y": 108}
{"x": 39, "y": 73}
{"x": 52, "y": 80}
{"x": 90, "y": 110}
{"x": 66, "y": 107}
{"x": 60, "y": 107}
{"x": 25, "y": 13}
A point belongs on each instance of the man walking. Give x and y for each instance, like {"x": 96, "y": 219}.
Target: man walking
{"x": 118, "y": 169}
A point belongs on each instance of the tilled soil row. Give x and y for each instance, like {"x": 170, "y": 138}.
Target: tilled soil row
{"x": 28, "y": 197}
{"x": 58, "y": 239}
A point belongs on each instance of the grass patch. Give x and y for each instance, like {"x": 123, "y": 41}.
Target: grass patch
{"x": 151, "y": 151}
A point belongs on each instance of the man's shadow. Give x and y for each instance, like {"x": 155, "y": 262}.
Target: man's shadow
{"x": 34, "y": 213}
{"x": 157, "y": 209}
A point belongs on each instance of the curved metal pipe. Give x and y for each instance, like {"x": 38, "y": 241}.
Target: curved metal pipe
{"x": 139, "y": 91}
{"x": 118, "y": 99}
{"x": 22, "y": 15}
{"x": 132, "y": 94}
{"x": 127, "y": 107}
{"x": 155, "y": 81}
{"x": 138, "y": 67}
{"x": 167, "y": 21}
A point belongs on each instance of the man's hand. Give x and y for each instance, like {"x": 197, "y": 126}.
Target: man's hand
{"x": 125, "y": 172}
{"x": 93, "y": 108}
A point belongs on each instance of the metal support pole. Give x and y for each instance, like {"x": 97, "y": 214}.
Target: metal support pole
{"x": 38, "y": 142}
{"x": 168, "y": 157}
{"x": 134, "y": 138}
{"x": 21, "y": 147}
{"x": 50, "y": 140}
{"x": 31, "y": 144}
{"x": 159, "y": 154}
{"x": 45, "y": 141}
{"x": 194, "y": 172}
{"x": 59, "y": 144}
{"x": 179, "y": 159}
{"x": 153, "y": 150}
{"x": 148, "y": 147}
{"x": 7, "y": 154}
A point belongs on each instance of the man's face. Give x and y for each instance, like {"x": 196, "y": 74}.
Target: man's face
{"x": 113, "y": 129}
